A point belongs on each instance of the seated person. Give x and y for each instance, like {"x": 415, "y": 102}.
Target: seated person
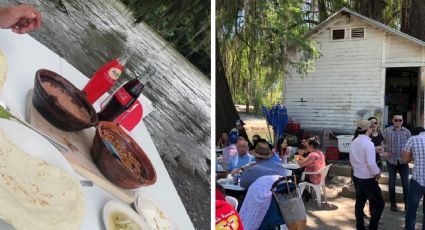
{"x": 255, "y": 139}
{"x": 265, "y": 165}
{"x": 226, "y": 216}
{"x": 314, "y": 162}
{"x": 230, "y": 150}
{"x": 236, "y": 162}
{"x": 264, "y": 141}
{"x": 223, "y": 141}
{"x": 301, "y": 151}
{"x": 282, "y": 149}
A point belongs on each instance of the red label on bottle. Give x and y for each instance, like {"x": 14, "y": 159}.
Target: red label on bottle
{"x": 122, "y": 96}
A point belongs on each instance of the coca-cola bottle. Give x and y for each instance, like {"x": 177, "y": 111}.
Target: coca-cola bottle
{"x": 122, "y": 99}
{"x": 104, "y": 78}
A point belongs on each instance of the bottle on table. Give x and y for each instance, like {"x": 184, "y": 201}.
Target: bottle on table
{"x": 121, "y": 100}
{"x": 104, "y": 78}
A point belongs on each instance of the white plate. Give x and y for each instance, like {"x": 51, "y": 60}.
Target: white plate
{"x": 116, "y": 206}
{"x": 139, "y": 206}
{"x": 35, "y": 145}
{"x": 225, "y": 181}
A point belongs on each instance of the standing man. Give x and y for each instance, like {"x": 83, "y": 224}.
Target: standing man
{"x": 242, "y": 132}
{"x": 395, "y": 138}
{"x": 242, "y": 158}
{"x": 415, "y": 147}
{"x": 365, "y": 176}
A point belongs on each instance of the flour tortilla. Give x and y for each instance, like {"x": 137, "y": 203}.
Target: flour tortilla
{"x": 3, "y": 70}
{"x": 35, "y": 195}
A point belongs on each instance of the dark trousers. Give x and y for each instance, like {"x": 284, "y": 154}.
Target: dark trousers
{"x": 403, "y": 170}
{"x": 368, "y": 189}
{"x": 416, "y": 192}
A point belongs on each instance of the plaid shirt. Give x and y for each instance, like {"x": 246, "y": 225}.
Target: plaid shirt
{"x": 416, "y": 146}
{"x": 395, "y": 141}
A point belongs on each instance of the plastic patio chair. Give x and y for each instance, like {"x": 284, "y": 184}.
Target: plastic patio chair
{"x": 232, "y": 201}
{"x": 316, "y": 187}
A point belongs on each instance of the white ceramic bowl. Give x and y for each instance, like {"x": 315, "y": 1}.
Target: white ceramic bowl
{"x": 116, "y": 206}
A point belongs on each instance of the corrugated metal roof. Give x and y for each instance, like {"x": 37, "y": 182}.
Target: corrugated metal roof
{"x": 368, "y": 20}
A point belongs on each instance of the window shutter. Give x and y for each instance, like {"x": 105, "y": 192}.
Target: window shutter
{"x": 357, "y": 33}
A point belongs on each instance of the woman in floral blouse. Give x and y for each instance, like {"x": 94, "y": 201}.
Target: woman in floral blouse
{"x": 314, "y": 162}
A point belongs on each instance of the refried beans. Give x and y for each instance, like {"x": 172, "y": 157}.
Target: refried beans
{"x": 66, "y": 100}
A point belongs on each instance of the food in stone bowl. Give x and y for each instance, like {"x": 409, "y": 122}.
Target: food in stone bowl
{"x": 120, "y": 158}
{"x": 61, "y": 103}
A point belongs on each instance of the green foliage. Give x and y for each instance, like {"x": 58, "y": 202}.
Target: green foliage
{"x": 184, "y": 23}
{"x": 259, "y": 42}
{"x": 4, "y": 113}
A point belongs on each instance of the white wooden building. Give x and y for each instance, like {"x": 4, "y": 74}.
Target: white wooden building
{"x": 366, "y": 68}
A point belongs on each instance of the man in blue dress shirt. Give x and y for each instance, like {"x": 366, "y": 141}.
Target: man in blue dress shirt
{"x": 236, "y": 162}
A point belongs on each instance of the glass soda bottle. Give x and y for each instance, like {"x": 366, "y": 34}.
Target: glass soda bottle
{"x": 104, "y": 78}
{"x": 122, "y": 99}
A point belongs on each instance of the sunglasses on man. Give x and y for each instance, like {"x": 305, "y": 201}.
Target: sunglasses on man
{"x": 398, "y": 120}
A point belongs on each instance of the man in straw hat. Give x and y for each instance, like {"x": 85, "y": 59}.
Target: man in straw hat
{"x": 365, "y": 176}
{"x": 265, "y": 165}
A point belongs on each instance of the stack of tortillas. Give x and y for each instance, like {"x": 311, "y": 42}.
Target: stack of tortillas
{"x": 35, "y": 195}
{"x": 3, "y": 70}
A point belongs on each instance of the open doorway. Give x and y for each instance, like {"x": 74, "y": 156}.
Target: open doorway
{"x": 401, "y": 95}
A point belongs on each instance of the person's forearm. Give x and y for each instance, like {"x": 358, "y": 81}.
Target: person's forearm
{"x": 371, "y": 161}
{"x": 406, "y": 157}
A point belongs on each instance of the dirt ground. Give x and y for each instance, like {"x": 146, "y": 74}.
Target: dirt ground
{"x": 338, "y": 213}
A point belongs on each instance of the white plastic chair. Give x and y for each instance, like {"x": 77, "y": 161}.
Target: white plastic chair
{"x": 233, "y": 201}
{"x": 316, "y": 187}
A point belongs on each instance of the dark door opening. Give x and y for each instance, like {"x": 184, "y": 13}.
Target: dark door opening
{"x": 401, "y": 95}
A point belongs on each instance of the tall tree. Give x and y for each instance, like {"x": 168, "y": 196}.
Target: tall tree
{"x": 415, "y": 19}
{"x": 258, "y": 40}
{"x": 225, "y": 110}
{"x": 185, "y": 24}
{"x": 371, "y": 8}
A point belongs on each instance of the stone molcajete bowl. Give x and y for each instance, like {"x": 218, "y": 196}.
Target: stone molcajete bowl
{"x": 111, "y": 150}
{"x": 59, "y": 108}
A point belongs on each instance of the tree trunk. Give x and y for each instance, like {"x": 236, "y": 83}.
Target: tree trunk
{"x": 405, "y": 11}
{"x": 225, "y": 111}
{"x": 415, "y": 21}
{"x": 371, "y": 8}
{"x": 323, "y": 13}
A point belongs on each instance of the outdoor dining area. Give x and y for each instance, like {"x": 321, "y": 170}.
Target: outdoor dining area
{"x": 268, "y": 184}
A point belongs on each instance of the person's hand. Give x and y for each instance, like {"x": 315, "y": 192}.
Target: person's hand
{"x": 385, "y": 154}
{"x": 379, "y": 149}
{"x": 20, "y": 18}
{"x": 236, "y": 171}
{"x": 377, "y": 177}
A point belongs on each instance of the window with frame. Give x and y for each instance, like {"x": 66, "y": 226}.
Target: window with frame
{"x": 357, "y": 33}
{"x": 338, "y": 34}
